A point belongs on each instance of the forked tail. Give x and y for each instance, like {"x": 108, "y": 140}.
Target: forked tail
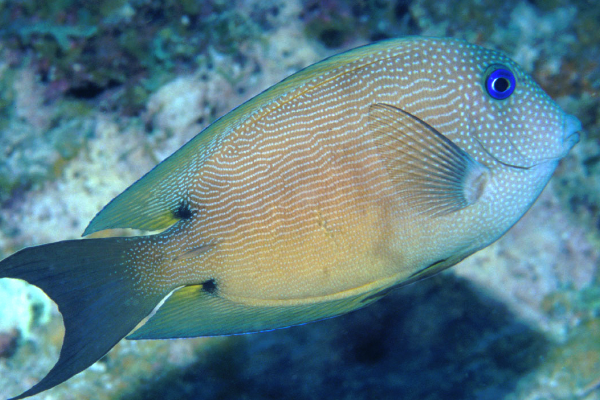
{"x": 95, "y": 290}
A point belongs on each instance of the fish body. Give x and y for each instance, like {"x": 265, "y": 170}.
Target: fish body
{"x": 368, "y": 170}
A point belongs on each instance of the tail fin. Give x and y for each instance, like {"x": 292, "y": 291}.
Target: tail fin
{"x": 95, "y": 292}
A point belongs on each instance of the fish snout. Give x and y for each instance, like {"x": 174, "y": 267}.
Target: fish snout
{"x": 571, "y": 131}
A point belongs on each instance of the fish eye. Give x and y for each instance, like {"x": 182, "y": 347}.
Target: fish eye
{"x": 500, "y": 82}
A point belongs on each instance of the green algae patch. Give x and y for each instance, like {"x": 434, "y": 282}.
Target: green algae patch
{"x": 32, "y": 157}
{"x": 576, "y": 364}
{"x": 337, "y": 23}
{"x": 84, "y": 50}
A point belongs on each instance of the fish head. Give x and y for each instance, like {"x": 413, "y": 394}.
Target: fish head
{"x": 510, "y": 116}
{"x": 470, "y": 141}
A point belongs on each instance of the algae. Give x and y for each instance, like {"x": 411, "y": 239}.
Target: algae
{"x": 87, "y": 49}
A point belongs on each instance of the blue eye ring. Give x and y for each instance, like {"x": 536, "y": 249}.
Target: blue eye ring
{"x": 500, "y": 83}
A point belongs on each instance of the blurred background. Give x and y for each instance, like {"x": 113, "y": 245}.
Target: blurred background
{"x": 94, "y": 94}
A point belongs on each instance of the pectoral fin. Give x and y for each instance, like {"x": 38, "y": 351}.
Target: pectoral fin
{"x": 430, "y": 172}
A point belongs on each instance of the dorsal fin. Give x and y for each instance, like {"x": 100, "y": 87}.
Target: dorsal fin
{"x": 152, "y": 201}
{"x": 155, "y": 201}
{"x": 431, "y": 173}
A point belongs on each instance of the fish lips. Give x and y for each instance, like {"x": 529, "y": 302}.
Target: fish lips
{"x": 571, "y": 130}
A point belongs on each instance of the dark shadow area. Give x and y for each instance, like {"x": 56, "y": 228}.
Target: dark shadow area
{"x": 437, "y": 339}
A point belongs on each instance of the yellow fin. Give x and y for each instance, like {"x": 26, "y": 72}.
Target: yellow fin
{"x": 431, "y": 173}
{"x": 198, "y": 310}
{"x": 159, "y": 198}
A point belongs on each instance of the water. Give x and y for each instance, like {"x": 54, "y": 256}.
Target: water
{"x": 93, "y": 96}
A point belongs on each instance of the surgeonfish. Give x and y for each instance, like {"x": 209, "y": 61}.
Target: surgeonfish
{"x": 369, "y": 170}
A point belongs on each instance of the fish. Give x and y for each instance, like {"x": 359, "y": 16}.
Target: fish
{"x": 369, "y": 170}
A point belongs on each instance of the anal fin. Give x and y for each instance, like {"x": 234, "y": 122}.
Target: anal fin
{"x": 199, "y": 310}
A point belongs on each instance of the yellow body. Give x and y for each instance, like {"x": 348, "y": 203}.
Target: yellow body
{"x": 293, "y": 196}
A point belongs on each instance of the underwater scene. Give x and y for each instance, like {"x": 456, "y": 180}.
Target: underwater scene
{"x": 433, "y": 184}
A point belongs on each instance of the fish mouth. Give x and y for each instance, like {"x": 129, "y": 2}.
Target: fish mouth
{"x": 571, "y": 132}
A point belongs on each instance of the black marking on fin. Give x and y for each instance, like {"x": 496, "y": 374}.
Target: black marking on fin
{"x": 209, "y": 286}
{"x": 378, "y": 295}
{"x": 430, "y": 267}
{"x": 183, "y": 211}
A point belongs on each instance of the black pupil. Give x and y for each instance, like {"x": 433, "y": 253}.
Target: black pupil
{"x": 501, "y": 85}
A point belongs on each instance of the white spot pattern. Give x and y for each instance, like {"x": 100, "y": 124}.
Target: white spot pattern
{"x": 297, "y": 202}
